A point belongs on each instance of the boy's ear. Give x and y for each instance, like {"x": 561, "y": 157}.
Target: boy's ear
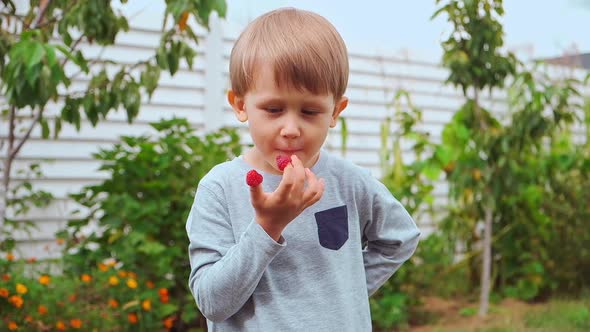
{"x": 340, "y": 106}
{"x": 237, "y": 104}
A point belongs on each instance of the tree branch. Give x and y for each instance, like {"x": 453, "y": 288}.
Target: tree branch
{"x": 7, "y": 168}
{"x": 66, "y": 59}
{"x": 9, "y": 157}
{"x": 11, "y": 121}
{"x": 14, "y": 152}
{"x": 43, "y": 5}
{"x": 50, "y": 21}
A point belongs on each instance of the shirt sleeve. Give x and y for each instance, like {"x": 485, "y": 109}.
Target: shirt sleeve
{"x": 390, "y": 233}
{"x": 224, "y": 272}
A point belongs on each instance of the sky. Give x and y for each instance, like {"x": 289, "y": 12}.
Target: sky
{"x": 533, "y": 28}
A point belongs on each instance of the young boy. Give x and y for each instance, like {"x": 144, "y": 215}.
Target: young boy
{"x": 303, "y": 250}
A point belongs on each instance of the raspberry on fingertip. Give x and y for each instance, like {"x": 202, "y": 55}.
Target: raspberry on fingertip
{"x": 253, "y": 178}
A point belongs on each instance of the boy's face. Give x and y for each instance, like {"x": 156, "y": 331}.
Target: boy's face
{"x": 284, "y": 121}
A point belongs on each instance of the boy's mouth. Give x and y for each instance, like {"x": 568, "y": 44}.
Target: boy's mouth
{"x": 289, "y": 151}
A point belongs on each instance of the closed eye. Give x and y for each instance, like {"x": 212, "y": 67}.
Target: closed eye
{"x": 310, "y": 112}
{"x": 273, "y": 110}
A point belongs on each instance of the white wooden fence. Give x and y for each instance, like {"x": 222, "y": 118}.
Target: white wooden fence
{"x": 198, "y": 95}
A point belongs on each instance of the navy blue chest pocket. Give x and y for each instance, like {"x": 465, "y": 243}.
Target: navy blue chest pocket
{"x": 333, "y": 227}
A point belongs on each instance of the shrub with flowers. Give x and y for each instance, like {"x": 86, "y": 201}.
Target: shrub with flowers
{"x": 106, "y": 297}
{"x": 137, "y": 214}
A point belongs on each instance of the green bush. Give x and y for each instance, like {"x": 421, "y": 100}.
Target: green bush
{"x": 429, "y": 272}
{"x": 137, "y": 216}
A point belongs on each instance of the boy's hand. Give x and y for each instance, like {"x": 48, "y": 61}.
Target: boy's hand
{"x": 274, "y": 211}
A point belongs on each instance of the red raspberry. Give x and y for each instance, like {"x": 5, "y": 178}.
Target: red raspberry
{"x": 253, "y": 178}
{"x": 283, "y": 161}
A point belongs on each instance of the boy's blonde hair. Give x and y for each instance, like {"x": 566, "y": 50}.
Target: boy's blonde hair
{"x": 305, "y": 49}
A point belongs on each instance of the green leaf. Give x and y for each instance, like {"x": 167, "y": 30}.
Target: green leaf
{"x": 161, "y": 58}
{"x": 432, "y": 172}
{"x": 67, "y": 38}
{"x": 220, "y": 6}
{"x": 36, "y": 54}
{"x": 344, "y": 135}
{"x": 51, "y": 57}
{"x": 168, "y": 309}
{"x": 151, "y": 248}
{"x": 32, "y": 75}
{"x": 44, "y": 129}
{"x": 57, "y": 127}
{"x": 173, "y": 62}
{"x": 444, "y": 154}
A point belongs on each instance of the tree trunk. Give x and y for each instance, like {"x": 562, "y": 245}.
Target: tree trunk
{"x": 486, "y": 270}
{"x": 3, "y": 197}
{"x": 12, "y": 150}
{"x": 4, "y": 187}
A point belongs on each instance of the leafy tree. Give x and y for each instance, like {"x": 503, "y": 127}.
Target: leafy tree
{"x": 38, "y": 40}
{"x": 473, "y": 54}
{"x": 502, "y": 172}
{"x": 525, "y": 174}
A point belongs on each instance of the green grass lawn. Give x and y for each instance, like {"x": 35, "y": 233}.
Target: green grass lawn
{"x": 514, "y": 316}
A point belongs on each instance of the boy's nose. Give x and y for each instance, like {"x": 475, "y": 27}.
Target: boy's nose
{"x": 290, "y": 129}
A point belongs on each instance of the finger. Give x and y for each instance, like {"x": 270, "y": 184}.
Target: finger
{"x": 257, "y": 195}
{"x": 319, "y": 193}
{"x": 298, "y": 176}
{"x": 315, "y": 191}
{"x": 284, "y": 189}
{"x": 311, "y": 181}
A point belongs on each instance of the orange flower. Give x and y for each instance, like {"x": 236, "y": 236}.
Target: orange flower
{"x": 9, "y": 256}
{"x": 6, "y": 277}
{"x": 76, "y": 323}
{"x": 86, "y": 278}
{"x": 42, "y": 310}
{"x": 4, "y": 292}
{"x": 12, "y": 326}
{"x": 122, "y": 274}
{"x": 132, "y": 275}
{"x": 113, "y": 303}
{"x": 16, "y": 301}
{"x": 163, "y": 292}
{"x": 132, "y": 318}
{"x": 72, "y": 297}
{"x": 113, "y": 281}
{"x": 146, "y": 305}
{"x": 28, "y": 318}
{"x": 60, "y": 325}
{"x": 44, "y": 280}
{"x": 150, "y": 284}
{"x": 169, "y": 322}
{"x": 60, "y": 241}
{"x": 21, "y": 289}
{"x": 103, "y": 267}
{"x": 131, "y": 283}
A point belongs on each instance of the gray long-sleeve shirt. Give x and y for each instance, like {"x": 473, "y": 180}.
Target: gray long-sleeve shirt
{"x": 333, "y": 255}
